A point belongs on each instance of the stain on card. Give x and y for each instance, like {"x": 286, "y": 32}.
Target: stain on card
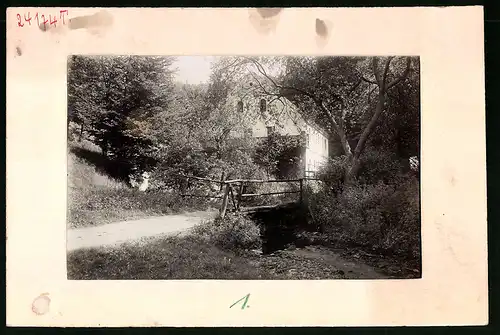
{"x": 269, "y": 12}
{"x": 265, "y": 20}
{"x": 95, "y": 23}
{"x": 323, "y": 31}
{"x": 41, "y": 304}
{"x": 321, "y": 28}
{"x": 102, "y": 19}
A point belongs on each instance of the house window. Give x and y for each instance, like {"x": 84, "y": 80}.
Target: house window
{"x": 270, "y": 130}
{"x": 263, "y": 105}
{"x": 239, "y": 107}
{"x": 307, "y": 140}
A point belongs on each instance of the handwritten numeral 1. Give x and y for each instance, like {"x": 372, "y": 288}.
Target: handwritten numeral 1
{"x": 244, "y": 303}
{"x": 45, "y": 21}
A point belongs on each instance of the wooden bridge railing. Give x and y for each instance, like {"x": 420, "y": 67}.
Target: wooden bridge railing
{"x": 229, "y": 186}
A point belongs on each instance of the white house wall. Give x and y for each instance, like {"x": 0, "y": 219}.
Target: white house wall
{"x": 288, "y": 122}
{"x": 285, "y": 126}
{"x": 316, "y": 153}
{"x": 284, "y": 119}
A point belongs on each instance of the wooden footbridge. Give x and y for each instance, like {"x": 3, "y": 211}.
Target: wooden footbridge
{"x": 233, "y": 192}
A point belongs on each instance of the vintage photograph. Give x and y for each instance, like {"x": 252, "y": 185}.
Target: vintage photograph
{"x": 243, "y": 167}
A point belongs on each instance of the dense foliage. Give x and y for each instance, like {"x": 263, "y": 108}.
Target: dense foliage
{"x": 234, "y": 232}
{"x": 121, "y": 104}
{"x": 142, "y": 120}
{"x": 280, "y": 155}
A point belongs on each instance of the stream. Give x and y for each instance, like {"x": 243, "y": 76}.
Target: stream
{"x": 297, "y": 258}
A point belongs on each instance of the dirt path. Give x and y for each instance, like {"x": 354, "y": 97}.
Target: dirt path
{"x": 350, "y": 269}
{"x": 119, "y": 232}
{"x": 315, "y": 262}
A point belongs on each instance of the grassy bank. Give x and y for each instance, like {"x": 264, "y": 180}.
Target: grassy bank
{"x": 190, "y": 257}
{"x": 221, "y": 249}
{"x": 96, "y": 198}
{"x": 162, "y": 258}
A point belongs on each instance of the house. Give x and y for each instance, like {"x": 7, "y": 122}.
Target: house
{"x": 282, "y": 117}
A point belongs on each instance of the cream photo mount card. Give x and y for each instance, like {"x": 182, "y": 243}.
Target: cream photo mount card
{"x": 246, "y": 167}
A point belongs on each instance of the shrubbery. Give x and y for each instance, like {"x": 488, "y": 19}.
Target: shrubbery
{"x": 379, "y": 166}
{"x": 383, "y": 215}
{"x": 235, "y": 232}
{"x": 333, "y": 173}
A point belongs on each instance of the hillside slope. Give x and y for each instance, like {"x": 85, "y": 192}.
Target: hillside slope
{"x": 95, "y": 198}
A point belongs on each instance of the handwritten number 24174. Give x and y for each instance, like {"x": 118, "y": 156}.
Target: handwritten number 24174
{"x": 41, "y": 18}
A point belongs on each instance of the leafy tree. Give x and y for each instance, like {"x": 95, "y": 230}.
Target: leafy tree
{"x": 121, "y": 100}
{"x": 201, "y": 142}
{"x": 84, "y": 93}
{"x": 398, "y": 130}
{"x": 346, "y": 94}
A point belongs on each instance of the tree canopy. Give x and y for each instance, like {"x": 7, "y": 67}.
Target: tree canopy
{"x": 121, "y": 102}
{"x": 350, "y": 97}
{"x": 133, "y": 110}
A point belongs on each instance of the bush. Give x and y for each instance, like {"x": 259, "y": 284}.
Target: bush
{"x": 384, "y": 217}
{"x": 402, "y": 230}
{"x": 333, "y": 173}
{"x": 235, "y": 232}
{"x": 379, "y": 166}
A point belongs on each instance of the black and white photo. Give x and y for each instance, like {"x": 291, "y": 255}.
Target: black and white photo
{"x": 236, "y": 167}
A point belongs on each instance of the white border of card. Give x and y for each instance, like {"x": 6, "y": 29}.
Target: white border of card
{"x": 449, "y": 41}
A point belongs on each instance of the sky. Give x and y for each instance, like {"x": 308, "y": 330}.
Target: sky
{"x": 196, "y": 69}
{"x": 193, "y": 69}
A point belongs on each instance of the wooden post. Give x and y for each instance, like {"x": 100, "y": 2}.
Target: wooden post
{"x": 301, "y": 189}
{"x": 225, "y": 199}
{"x": 240, "y": 194}
{"x": 232, "y": 198}
{"x": 222, "y": 181}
